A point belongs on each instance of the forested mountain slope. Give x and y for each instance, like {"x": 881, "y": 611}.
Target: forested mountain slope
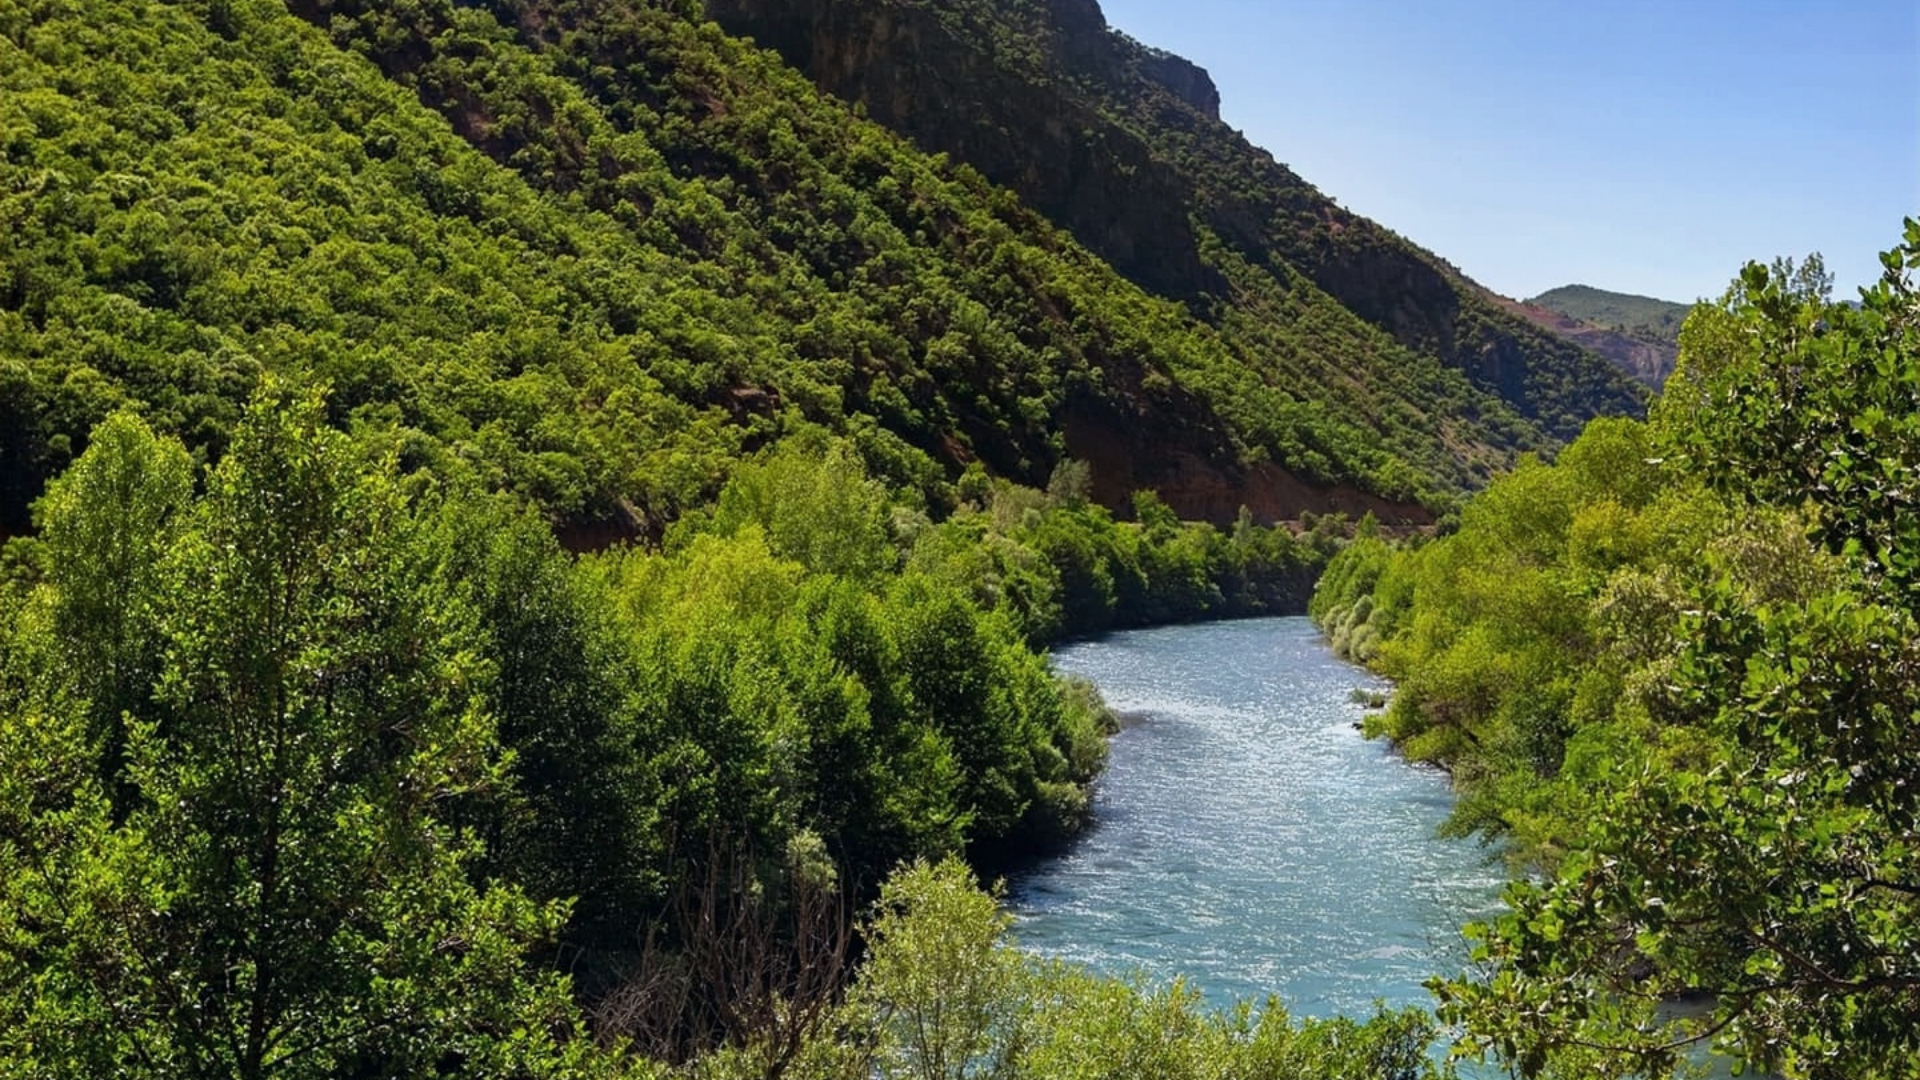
{"x": 1123, "y": 145}
{"x": 1640, "y": 316}
{"x": 619, "y": 248}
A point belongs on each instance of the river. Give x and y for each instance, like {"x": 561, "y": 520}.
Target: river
{"x": 1247, "y": 838}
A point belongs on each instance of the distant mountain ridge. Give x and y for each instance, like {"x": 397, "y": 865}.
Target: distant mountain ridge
{"x": 1639, "y": 333}
{"x": 1647, "y": 360}
{"x": 1640, "y": 316}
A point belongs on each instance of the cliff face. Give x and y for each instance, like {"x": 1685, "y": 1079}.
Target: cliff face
{"x": 1123, "y": 145}
{"x": 920, "y": 74}
{"x": 1186, "y": 80}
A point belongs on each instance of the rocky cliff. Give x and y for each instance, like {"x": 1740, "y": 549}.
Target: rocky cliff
{"x": 1646, "y": 358}
{"x": 947, "y": 85}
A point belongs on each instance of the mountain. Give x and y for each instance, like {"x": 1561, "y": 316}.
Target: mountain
{"x": 1639, "y": 333}
{"x": 1641, "y": 317}
{"x": 1122, "y": 144}
{"x": 594, "y": 253}
{"x": 1646, "y": 357}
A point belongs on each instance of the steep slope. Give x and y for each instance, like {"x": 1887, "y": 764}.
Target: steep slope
{"x": 1122, "y": 144}
{"x": 618, "y": 250}
{"x": 737, "y": 123}
{"x": 1647, "y": 358}
{"x": 1305, "y": 376}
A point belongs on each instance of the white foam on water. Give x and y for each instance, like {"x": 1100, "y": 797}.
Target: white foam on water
{"x": 1247, "y": 837}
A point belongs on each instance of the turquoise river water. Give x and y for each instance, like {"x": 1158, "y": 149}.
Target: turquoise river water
{"x": 1247, "y": 838}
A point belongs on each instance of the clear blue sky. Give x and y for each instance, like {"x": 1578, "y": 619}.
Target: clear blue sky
{"x": 1646, "y": 146}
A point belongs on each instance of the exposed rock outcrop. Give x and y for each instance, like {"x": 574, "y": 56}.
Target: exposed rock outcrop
{"x": 1646, "y": 360}
{"x": 1187, "y": 80}
{"x": 1148, "y": 450}
{"x": 925, "y": 77}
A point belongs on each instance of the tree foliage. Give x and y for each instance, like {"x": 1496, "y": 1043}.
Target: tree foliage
{"x": 276, "y": 886}
{"x": 1723, "y": 671}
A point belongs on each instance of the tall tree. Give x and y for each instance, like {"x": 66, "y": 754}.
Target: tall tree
{"x": 284, "y": 896}
{"x": 108, "y": 522}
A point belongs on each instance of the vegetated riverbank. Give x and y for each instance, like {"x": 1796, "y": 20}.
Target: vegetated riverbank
{"x": 1156, "y": 571}
{"x": 808, "y": 684}
{"x": 1677, "y": 669}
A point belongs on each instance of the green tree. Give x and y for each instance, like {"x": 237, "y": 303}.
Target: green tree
{"x": 949, "y": 656}
{"x": 107, "y": 523}
{"x": 941, "y": 984}
{"x": 1784, "y": 398}
{"x": 816, "y": 505}
{"x": 1774, "y": 870}
{"x": 285, "y": 896}
{"x": 1781, "y": 879}
{"x": 570, "y": 825}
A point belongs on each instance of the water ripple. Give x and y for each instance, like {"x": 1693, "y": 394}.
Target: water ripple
{"x": 1247, "y": 838}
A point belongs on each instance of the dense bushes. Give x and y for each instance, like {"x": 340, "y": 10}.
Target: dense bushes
{"x": 1676, "y": 667}
{"x": 594, "y": 253}
{"x": 1063, "y": 567}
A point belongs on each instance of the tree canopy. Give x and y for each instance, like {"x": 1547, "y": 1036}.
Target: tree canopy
{"x": 1678, "y": 665}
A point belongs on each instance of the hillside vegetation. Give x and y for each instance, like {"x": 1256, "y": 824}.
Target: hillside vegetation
{"x": 1640, "y": 316}
{"x": 1638, "y": 333}
{"x": 616, "y": 250}
{"x": 1122, "y": 145}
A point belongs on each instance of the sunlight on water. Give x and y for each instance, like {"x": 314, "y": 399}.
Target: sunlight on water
{"x": 1247, "y": 838}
